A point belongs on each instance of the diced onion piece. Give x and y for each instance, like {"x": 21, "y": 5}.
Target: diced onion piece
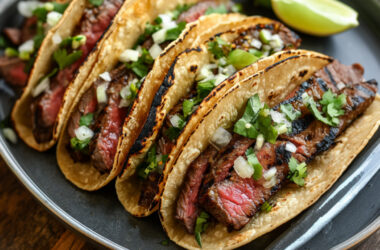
{"x": 41, "y": 87}
{"x": 105, "y": 76}
{"x": 129, "y": 55}
{"x": 204, "y": 73}
{"x": 265, "y": 36}
{"x": 167, "y": 22}
{"x": 26, "y": 8}
{"x": 78, "y": 41}
{"x": 277, "y": 116}
{"x": 259, "y": 142}
{"x": 266, "y": 48}
{"x": 282, "y": 128}
{"x": 10, "y": 135}
{"x": 49, "y": 6}
{"x": 222, "y": 61}
{"x": 290, "y": 147}
{"x": 155, "y": 51}
{"x": 175, "y": 120}
{"x": 242, "y": 168}
{"x": 256, "y": 43}
{"x": 220, "y": 138}
{"x": 270, "y": 173}
{"x": 101, "y": 93}
{"x": 27, "y": 46}
{"x": 160, "y": 36}
{"x": 276, "y": 42}
{"x": 124, "y": 103}
{"x": 340, "y": 85}
{"x": 219, "y": 79}
{"x": 84, "y": 133}
{"x": 229, "y": 70}
{"x": 125, "y": 92}
{"x": 270, "y": 183}
{"x": 57, "y": 39}
{"x": 53, "y": 18}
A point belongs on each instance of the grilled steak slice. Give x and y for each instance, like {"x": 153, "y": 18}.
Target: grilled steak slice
{"x": 13, "y": 34}
{"x": 196, "y": 11}
{"x": 187, "y": 204}
{"x": 150, "y": 189}
{"x": 12, "y": 70}
{"x": 93, "y": 23}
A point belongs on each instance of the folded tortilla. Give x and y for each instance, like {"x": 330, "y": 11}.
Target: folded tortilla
{"x": 272, "y": 84}
{"x": 124, "y": 36}
{"x": 178, "y": 81}
{"x": 65, "y": 28}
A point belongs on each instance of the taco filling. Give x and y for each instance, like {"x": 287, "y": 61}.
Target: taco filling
{"x": 240, "y": 171}
{"x": 96, "y": 124}
{"x": 21, "y": 45}
{"x": 48, "y": 93}
{"x": 225, "y": 59}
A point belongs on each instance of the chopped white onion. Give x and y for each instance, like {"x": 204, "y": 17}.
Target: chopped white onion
{"x": 49, "y": 6}
{"x": 276, "y": 42}
{"x": 222, "y": 61}
{"x": 290, "y": 147}
{"x": 175, "y": 120}
{"x": 282, "y": 128}
{"x": 101, "y": 93}
{"x": 124, "y": 103}
{"x": 78, "y": 41}
{"x": 84, "y": 133}
{"x": 129, "y": 55}
{"x": 242, "y": 168}
{"x": 167, "y": 22}
{"x": 256, "y": 43}
{"x": 204, "y": 73}
{"x": 106, "y": 76}
{"x": 270, "y": 173}
{"x": 160, "y": 36}
{"x": 53, "y": 18}
{"x": 266, "y": 47}
{"x": 277, "y": 116}
{"x": 57, "y": 39}
{"x": 220, "y": 138}
{"x": 41, "y": 87}
{"x": 27, "y": 46}
{"x": 340, "y": 85}
{"x": 270, "y": 183}
{"x": 10, "y": 135}
{"x": 259, "y": 142}
{"x": 229, "y": 70}
{"x": 125, "y": 92}
{"x": 155, "y": 51}
{"x": 219, "y": 78}
{"x": 26, "y": 8}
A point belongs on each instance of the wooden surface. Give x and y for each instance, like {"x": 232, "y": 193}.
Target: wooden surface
{"x": 26, "y": 224}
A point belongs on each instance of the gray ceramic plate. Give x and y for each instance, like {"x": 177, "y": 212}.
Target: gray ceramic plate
{"x": 348, "y": 207}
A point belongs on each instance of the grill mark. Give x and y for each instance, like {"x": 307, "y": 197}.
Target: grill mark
{"x": 298, "y": 96}
{"x": 327, "y": 141}
{"x": 357, "y": 100}
{"x": 301, "y": 124}
{"x": 322, "y": 84}
{"x": 282, "y": 155}
{"x": 364, "y": 89}
{"x": 330, "y": 76}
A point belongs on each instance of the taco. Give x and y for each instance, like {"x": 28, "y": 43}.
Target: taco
{"x": 138, "y": 52}
{"x": 266, "y": 149}
{"x": 64, "y": 58}
{"x": 191, "y": 77}
{"x": 21, "y": 44}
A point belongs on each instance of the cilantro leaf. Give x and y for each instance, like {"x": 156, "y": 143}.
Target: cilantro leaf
{"x": 290, "y": 112}
{"x": 266, "y": 207}
{"x": 204, "y": 88}
{"x": 79, "y": 145}
{"x": 298, "y": 171}
{"x": 96, "y": 2}
{"x": 150, "y": 164}
{"x": 142, "y": 66}
{"x": 219, "y": 48}
{"x": 201, "y": 225}
{"x": 172, "y": 133}
{"x": 86, "y": 120}
{"x": 254, "y": 162}
{"x": 64, "y": 59}
{"x": 149, "y": 30}
{"x": 38, "y": 39}
{"x": 60, "y": 7}
{"x": 41, "y": 14}
{"x": 221, "y": 9}
{"x": 174, "y": 33}
{"x": 266, "y": 128}
{"x": 187, "y": 107}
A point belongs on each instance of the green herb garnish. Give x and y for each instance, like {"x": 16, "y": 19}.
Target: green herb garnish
{"x": 290, "y": 112}
{"x": 254, "y": 162}
{"x": 96, "y": 2}
{"x": 180, "y": 9}
{"x": 298, "y": 171}
{"x": 266, "y": 207}
{"x": 219, "y": 48}
{"x": 79, "y": 145}
{"x": 174, "y": 33}
{"x": 221, "y": 9}
{"x": 201, "y": 226}
{"x": 86, "y": 120}
{"x": 149, "y": 30}
{"x": 64, "y": 59}
{"x": 187, "y": 107}
{"x": 142, "y": 66}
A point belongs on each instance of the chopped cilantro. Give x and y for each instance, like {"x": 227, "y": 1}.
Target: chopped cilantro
{"x": 201, "y": 226}
{"x": 86, "y": 120}
{"x": 266, "y": 207}
{"x": 221, "y": 9}
{"x": 52, "y": 73}
{"x": 188, "y": 107}
{"x": 41, "y": 14}
{"x": 290, "y": 112}
{"x": 158, "y": 20}
{"x": 96, "y": 2}
{"x": 60, "y": 7}
{"x": 142, "y": 66}
{"x": 11, "y": 52}
{"x": 204, "y": 88}
{"x": 64, "y": 59}
{"x": 174, "y": 33}
{"x": 180, "y": 9}
{"x": 173, "y": 132}
{"x": 38, "y": 41}
{"x": 3, "y": 42}
{"x": 298, "y": 171}
{"x": 150, "y": 164}
{"x": 79, "y": 145}
{"x": 149, "y": 30}
{"x": 254, "y": 162}
{"x": 218, "y": 47}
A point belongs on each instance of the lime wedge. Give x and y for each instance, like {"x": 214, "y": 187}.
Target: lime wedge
{"x": 316, "y": 17}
